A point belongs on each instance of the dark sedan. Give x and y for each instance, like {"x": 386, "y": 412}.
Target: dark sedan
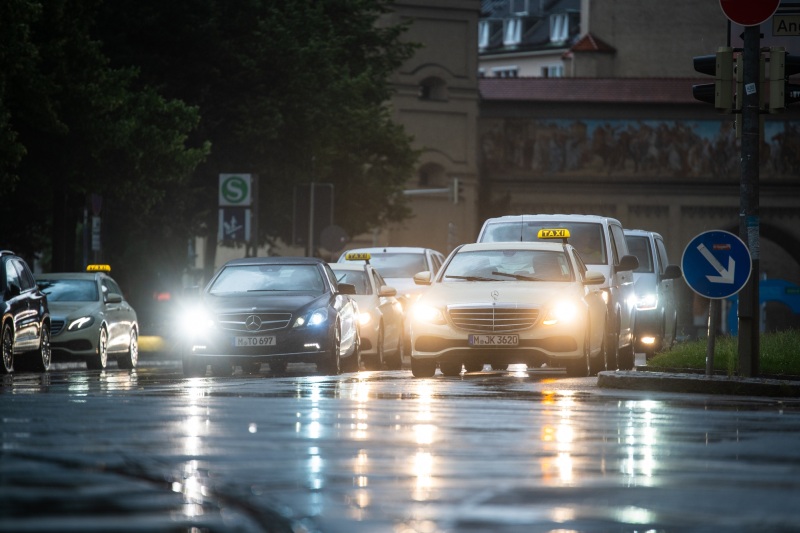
{"x": 274, "y": 310}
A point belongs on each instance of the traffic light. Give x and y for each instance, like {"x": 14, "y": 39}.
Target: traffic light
{"x": 719, "y": 65}
{"x": 781, "y": 67}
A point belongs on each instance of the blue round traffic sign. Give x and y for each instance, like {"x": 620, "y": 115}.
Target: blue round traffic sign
{"x": 716, "y": 264}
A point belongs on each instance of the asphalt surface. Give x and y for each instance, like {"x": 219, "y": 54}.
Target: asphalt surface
{"x": 643, "y": 378}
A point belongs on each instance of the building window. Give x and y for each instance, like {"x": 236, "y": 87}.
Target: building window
{"x": 505, "y": 72}
{"x": 512, "y": 31}
{"x": 484, "y": 27}
{"x": 433, "y": 88}
{"x": 431, "y": 175}
{"x": 559, "y": 27}
{"x": 519, "y": 7}
{"x": 553, "y": 71}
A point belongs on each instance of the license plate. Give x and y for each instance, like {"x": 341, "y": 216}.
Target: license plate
{"x": 494, "y": 340}
{"x": 254, "y": 341}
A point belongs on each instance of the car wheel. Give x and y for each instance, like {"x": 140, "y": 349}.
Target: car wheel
{"x": 130, "y": 359}
{"x": 332, "y": 364}
{"x": 8, "y": 349}
{"x": 278, "y": 367}
{"x": 449, "y": 368}
{"x": 395, "y": 360}
{"x": 99, "y": 360}
{"x": 580, "y": 367}
{"x": 251, "y": 368}
{"x": 612, "y": 348}
{"x": 423, "y": 368}
{"x": 375, "y": 362}
{"x": 597, "y": 364}
{"x": 473, "y": 367}
{"x": 44, "y": 354}
{"x": 352, "y": 363}
{"x": 194, "y": 367}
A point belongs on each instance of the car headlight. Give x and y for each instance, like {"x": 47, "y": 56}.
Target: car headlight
{"x": 364, "y": 318}
{"x": 314, "y": 318}
{"x": 80, "y": 323}
{"x": 196, "y": 321}
{"x": 427, "y": 313}
{"x": 561, "y": 313}
{"x": 647, "y": 301}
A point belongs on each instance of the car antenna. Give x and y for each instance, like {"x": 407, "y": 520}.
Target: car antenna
{"x": 521, "y": 226}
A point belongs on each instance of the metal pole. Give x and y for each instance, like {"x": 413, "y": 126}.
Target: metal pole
{"x": 310, "y": 250}
{"x": 713, "y": 318}
{"x": 748, "y": 213}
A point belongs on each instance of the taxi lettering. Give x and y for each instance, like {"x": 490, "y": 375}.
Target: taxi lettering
{"x": 553, "y": 233}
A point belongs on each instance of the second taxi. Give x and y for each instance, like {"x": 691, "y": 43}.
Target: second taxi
{"x": 510, "y": 302}
{"x": 90, "y": 318}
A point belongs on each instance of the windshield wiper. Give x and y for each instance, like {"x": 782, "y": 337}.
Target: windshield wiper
{"x": 472, "y": 278}
{"x": 521, "y": 277}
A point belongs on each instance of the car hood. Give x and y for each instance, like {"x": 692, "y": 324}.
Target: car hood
{"x": 532, "y": 293}
{"x": 289, "y": 302}
{"x": 64, "y": 309}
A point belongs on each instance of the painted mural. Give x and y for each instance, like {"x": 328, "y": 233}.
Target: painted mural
{"x": 625, "y": 149}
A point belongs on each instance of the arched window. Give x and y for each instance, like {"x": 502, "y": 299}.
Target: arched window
{"x": 433, "y": 88}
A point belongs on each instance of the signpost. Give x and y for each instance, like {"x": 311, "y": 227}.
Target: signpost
{"x": 716, "y": 264}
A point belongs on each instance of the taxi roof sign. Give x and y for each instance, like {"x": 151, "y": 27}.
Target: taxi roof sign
{"x": 98, "y": 268}
{"x": 553, "y": 233}
{"x": 358, "y": 256}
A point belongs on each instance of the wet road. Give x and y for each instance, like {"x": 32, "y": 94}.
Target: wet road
{"x": 148, "y": 450}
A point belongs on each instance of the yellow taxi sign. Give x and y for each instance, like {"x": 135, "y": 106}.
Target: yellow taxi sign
{"x": 358, "y": 256}
{"x": 98, "y": 268}
{"x": 553, "y": 233}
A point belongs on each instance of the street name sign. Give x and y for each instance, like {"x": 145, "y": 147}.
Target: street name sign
{"x": 716, "y": 264}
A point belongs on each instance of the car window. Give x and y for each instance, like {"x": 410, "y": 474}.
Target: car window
{"x": 354, "y": 277}
{"x": 618, "y": 242}
{"x": 661, "y": 250}
{"x": 639, "y": 246}
{"x": 587, "y": 237}
{"x": 69, "y": 290}
{"x": 377, "y": 280}
{"x": 508, "y": 265}
{"x": 264, "y": 278}
{"x": 12, "y": 277}
{"x": 109, "y": 285}
{"x": 26, "y": 281}
{"x": 399, "y": 265}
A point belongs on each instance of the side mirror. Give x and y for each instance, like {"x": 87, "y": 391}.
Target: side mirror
{"x": 423, "y": 278}
{"x": 593, "y": 277}
{"x": 347, "y": 288}
{"x": 387, "y": 291}
{"x": 113, "y": 298}
{"x": 627, "y": 262}
{"x": 672, "y": 272}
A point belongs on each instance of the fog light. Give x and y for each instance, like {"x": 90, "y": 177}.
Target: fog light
{"x": 648, "y": 340}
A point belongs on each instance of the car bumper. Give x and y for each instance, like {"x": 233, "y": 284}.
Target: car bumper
{"x": 648, "y": 330}
{"x": 74, "y": 345}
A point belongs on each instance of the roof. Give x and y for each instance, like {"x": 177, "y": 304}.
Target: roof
{"x": 557, "y": 217}
{"x": 590, "y": 43}
{"x": 592, "y": 90}
{"x": 554, "y": 245}
{"x": 299, "y": 260}
{"x": 71, "y": 275}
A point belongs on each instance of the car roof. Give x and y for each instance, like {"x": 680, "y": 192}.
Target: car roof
{"x": 276, "y": 260}
{"x": 642, "y": 232}
{"x": 555, "y": 246}
{"x": 71, "y": 275}
{"x": 553, "y": 216}
{"x": 349, "y": 266}
{"x": 392, "y": 249}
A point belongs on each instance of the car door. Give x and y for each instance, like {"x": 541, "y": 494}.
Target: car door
{"x": 666, "y": 293}
{"x": 625, "y": 296}
{"x": 25, "y": 304}
{"x": 391, "y": 311}
{"x": 117, "y": 316}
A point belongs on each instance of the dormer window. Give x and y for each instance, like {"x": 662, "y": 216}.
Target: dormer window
{"x": 484, "y": 29}
{"x": 519, "y": 7}
{"x": 559, "y": 27}
{"x": 512, "y": 31}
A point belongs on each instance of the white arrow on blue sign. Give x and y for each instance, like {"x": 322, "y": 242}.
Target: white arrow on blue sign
{"x": 716, "y": 264}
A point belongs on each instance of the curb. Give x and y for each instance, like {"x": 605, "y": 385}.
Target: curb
{"x": 698, "y": 383}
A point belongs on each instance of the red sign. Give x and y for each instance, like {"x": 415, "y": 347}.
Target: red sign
{"x": 749, "y": 12}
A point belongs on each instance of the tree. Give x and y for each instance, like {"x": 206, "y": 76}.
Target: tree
{"x": 292, "y": 90}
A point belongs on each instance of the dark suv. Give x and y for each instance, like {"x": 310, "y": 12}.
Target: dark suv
{"x": 26, "y": 319}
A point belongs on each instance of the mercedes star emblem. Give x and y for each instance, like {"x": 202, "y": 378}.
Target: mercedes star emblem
{"x": 252, "y": 323}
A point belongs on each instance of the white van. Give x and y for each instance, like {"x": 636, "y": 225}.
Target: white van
{"x": 601, "y": 244}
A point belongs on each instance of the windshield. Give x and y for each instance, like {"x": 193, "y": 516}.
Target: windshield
{"x": 640, "y": 247}
{"x": 69, "y": 290}
{"x": 266, "y": 278}
{"x": 508, "y": 265}
{"x": 398, "y": 265}
{"x": 586, "y": 237}
{"x": 358, "y": 278}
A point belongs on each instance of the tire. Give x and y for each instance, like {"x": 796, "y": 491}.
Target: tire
{"x": 352, "y": 363}
{"x": 99, "y": 361}
{"x": 251, "y": 368}
{"x": 473, "y": 367}
{"x": 423, "y": 368}
{"x": 8, "y": 349}
{"x": 277, "y": 367}
{"x": 194, "y": 367}
{"x": 598, "y": 364}
{"x": 130, "y": 359}
{"x": 44, "y": 355}
{"x": 580, "y": 367}
{"x": 395, "y": 361}
{"x": 612, "y": 348}
{"x": 449, "y": 368}
{"x": 332, "y": 364}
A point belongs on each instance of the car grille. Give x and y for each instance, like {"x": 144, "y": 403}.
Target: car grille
{"x": 56, "y": 326}
{"x": 239, "y": 321}
{"x": 494, "y": 319}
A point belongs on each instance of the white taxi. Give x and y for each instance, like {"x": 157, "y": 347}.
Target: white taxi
{"x": 381, "y": 315}
{"x": 503, "y": 303}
